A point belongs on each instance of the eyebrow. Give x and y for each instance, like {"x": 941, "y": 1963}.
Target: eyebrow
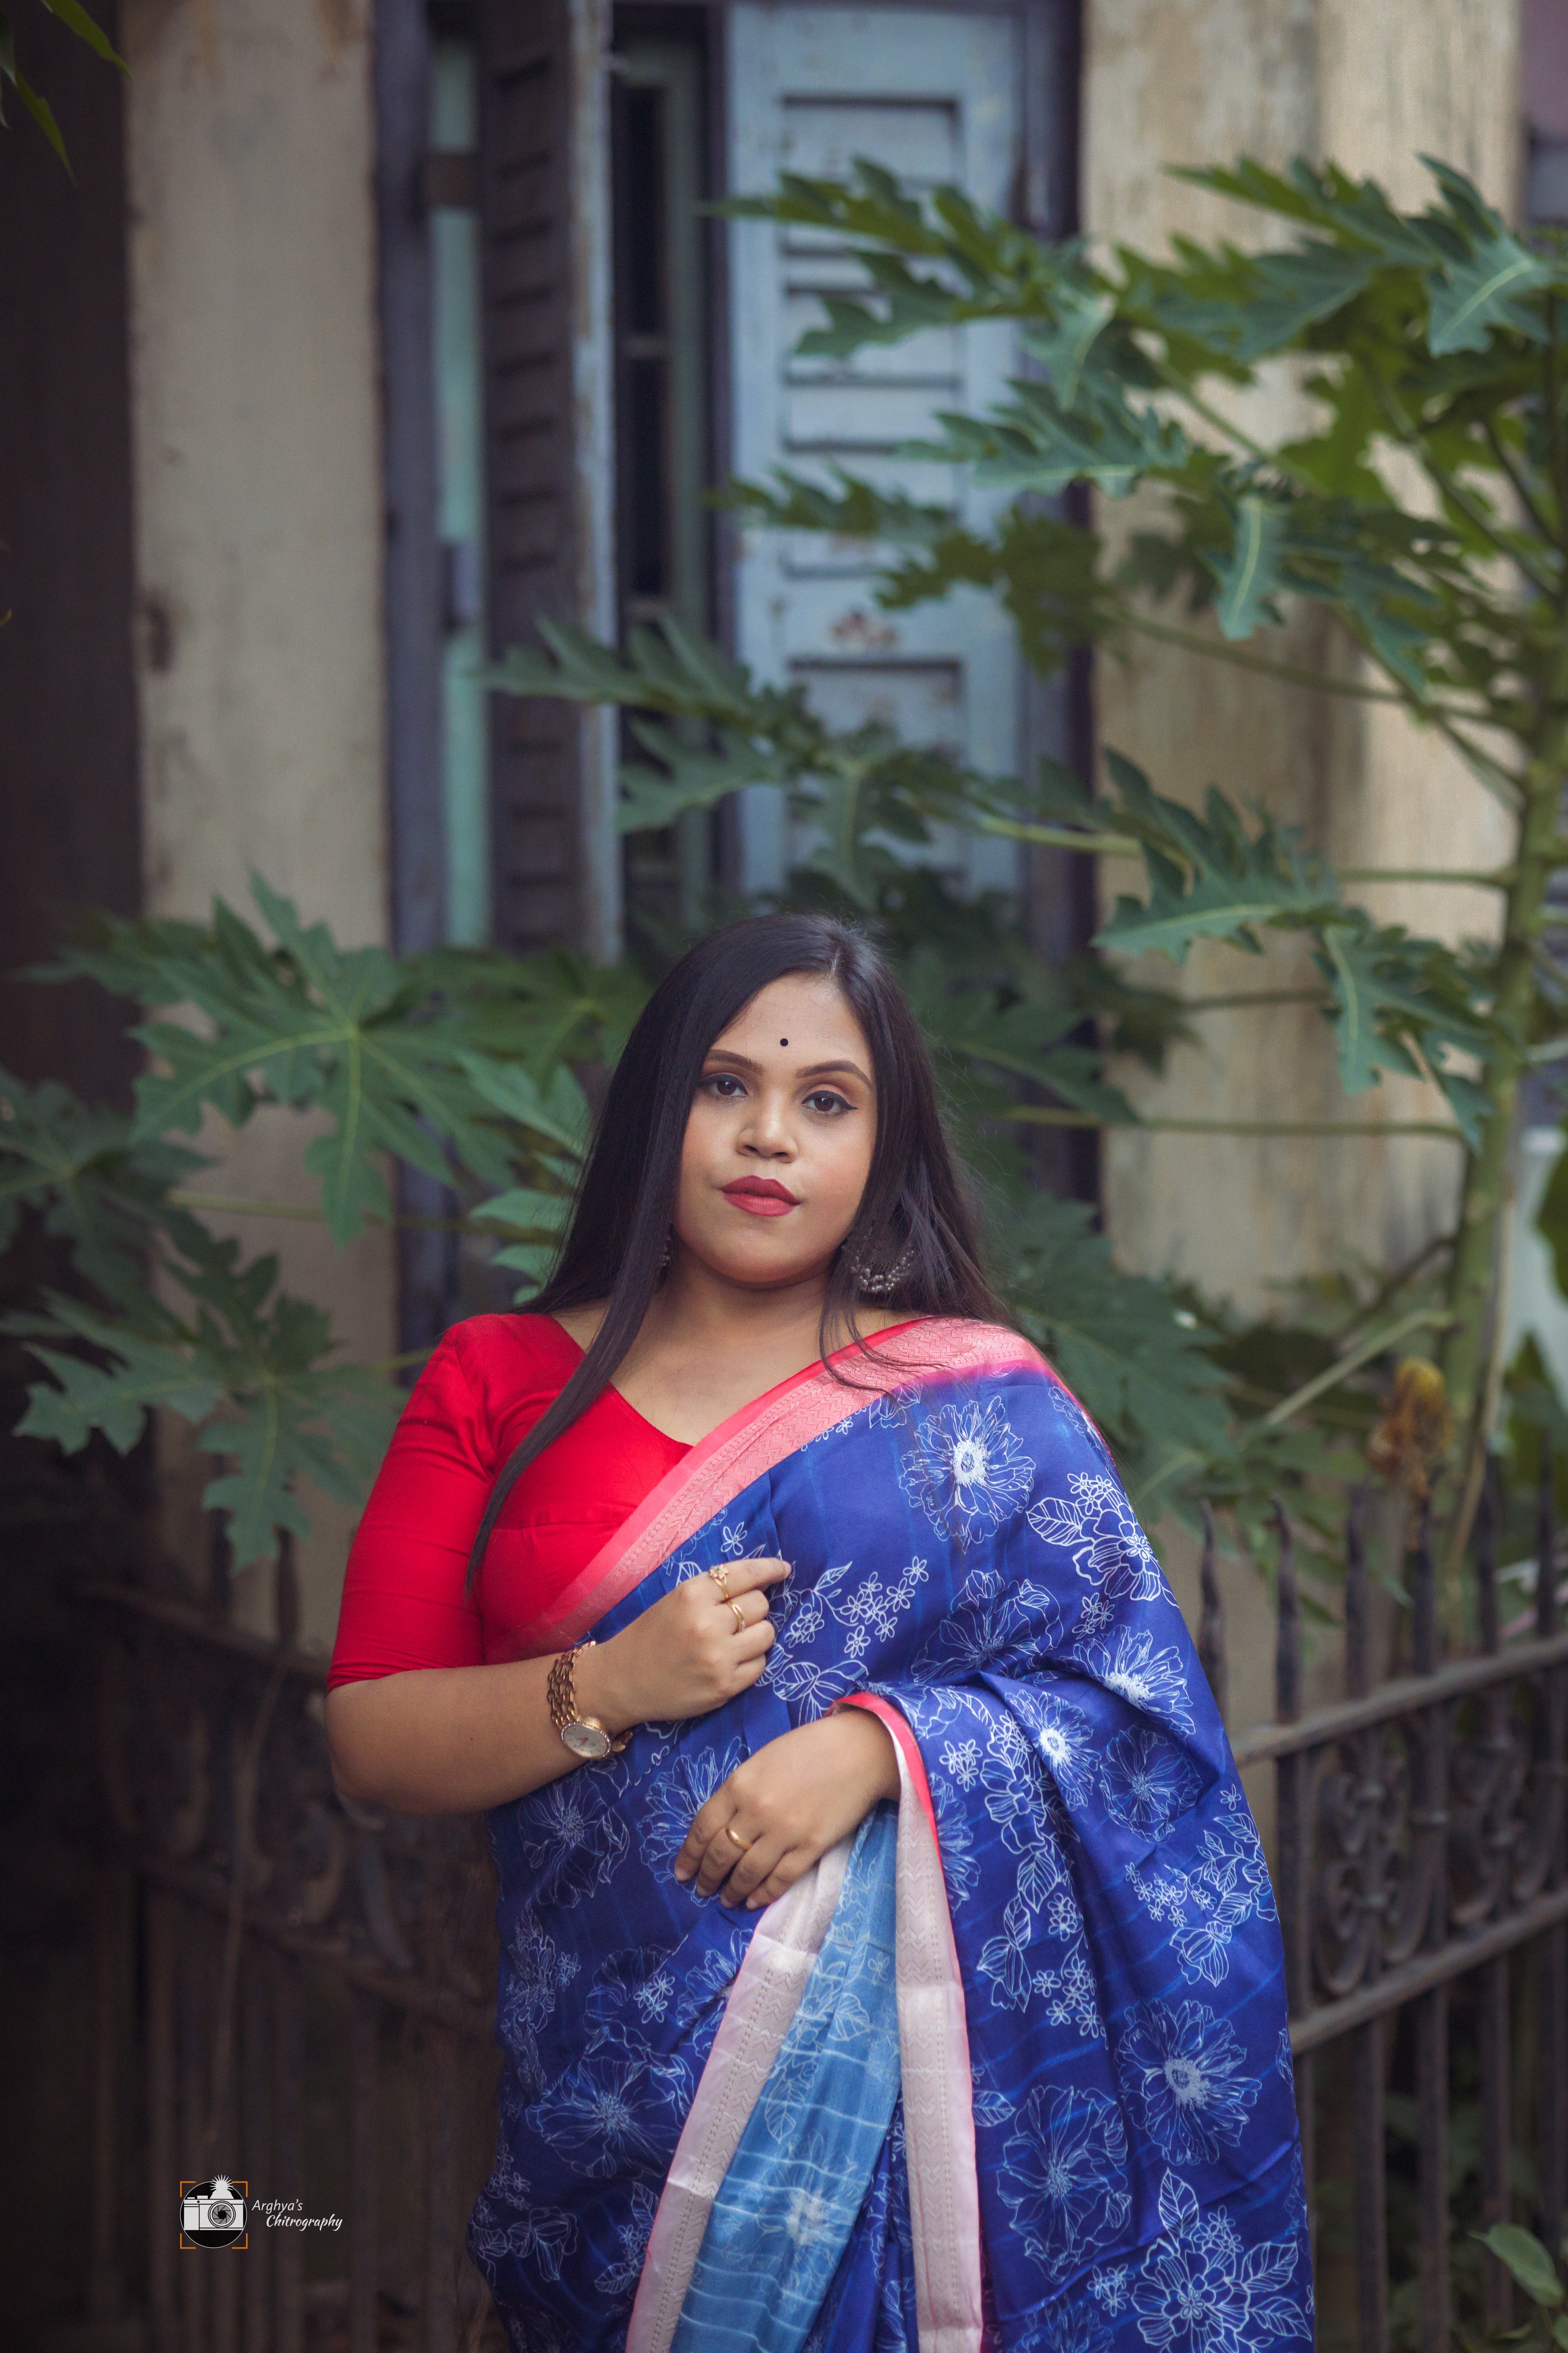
{"x": 808, "y": 1071}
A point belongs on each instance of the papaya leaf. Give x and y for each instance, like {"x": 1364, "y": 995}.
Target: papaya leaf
{"x": 245, "y": 1361}
{"x": 1552, "y": 1220}
{"x": 1208, "y": 878}
{"x": 1249, "y": 579}
{"x": 558, "y": 1112}
{"x": 526, "y": 1210}
{"x": 75, "y": 18}
{"x": 306, "y": 1024}
{"x": 1143, "y": 1375}
{"x": 1526, "y": 2259}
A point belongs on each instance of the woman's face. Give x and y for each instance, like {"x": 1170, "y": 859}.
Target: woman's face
{"x": 778, "y": 1144}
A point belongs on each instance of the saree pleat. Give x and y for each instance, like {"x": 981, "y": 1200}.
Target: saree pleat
{"x": 792, "y": 2191}
{"x": 1094, "y": 2148}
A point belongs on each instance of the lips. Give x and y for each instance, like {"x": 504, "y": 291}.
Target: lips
{"x": 760, "y": 1196}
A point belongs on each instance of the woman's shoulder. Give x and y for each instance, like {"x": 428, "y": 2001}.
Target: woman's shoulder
{"x": 964, "y": 1343}
{"x": 502, "y": 1362}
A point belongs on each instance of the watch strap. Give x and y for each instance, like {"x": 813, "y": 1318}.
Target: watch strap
{"x": 560, "y": 1697}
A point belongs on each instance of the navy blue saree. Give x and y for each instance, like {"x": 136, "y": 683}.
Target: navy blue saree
{"x": 1007, "y": 2070}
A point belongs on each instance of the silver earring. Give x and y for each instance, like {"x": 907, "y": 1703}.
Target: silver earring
{"x": 880, "y": 1282}
{"x": 668, "y": 1250}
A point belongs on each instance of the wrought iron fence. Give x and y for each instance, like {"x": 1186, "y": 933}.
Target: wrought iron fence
{"x": 1420, "y": 1847}
{"x": 267, "y": 1908}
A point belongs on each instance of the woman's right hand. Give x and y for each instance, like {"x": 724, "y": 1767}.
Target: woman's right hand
{"x": 684, "y": 1656}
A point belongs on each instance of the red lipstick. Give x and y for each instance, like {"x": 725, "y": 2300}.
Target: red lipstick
{"x": 762, "y": 1196}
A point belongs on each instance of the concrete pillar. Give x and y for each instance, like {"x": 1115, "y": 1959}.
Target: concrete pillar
{"x": 254, "y": 390}
{"x": 1202, "y": 81}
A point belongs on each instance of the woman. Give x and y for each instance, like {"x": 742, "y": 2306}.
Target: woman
{"x": 887, "y": 1959}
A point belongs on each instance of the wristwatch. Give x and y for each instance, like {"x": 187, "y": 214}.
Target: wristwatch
{"x": 585, "y": 1735}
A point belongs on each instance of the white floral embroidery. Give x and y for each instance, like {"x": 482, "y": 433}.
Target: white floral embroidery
{"x": 1098, "y": 1612}
{"x": 1146, "y": 1780}
{"x": 732, "y": 1541}
{"x": 1063, "y": 2177}
{"x": 605, "y": 2114}
{"x": 991, "y": 2106}
{"x": 1067, "y": 2328}
{"x": 895, "y": 1408}
{"x": 688, "y": 1779}
{"x": 1110, "y": 1551}
{"x": 1072, "y": 1997}
{"x": 1181, "y": 2071}
{"x": 1205, "y": 1904}
{"x": 1201, "y": 2291}
{"x": 1151, "y": 1681}
{"x": 620, "y": 2278}
{"x": 573, "y": 1837}
{"x": 966, "y": 1470}
{"x": 1064, "y": 1736}
{"x": 1109, "y": 2288}
{"x": 961, "y": 1759}
{"x": 868, "y": 1610}
{"x": 955, "y": 1837}
{"x": 1285, "y": 2060}
{"x": 992, "y": 1623}
{"x": 508, "y": 2220}
{"x": 531, "y": 1983}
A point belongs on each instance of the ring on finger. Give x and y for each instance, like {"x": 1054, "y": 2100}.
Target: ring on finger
{"x": 721, "y": 1576}
{"x": 744, "y": 1845}
{"x": 741, "y": 1620}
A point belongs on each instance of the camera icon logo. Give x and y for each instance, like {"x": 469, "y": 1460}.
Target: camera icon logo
{"x": 212, "y": 2213}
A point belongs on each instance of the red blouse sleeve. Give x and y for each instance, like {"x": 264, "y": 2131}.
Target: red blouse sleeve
{"x": 404, "y": 1603}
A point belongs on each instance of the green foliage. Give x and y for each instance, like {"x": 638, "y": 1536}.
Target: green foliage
{"x": 405, "y": 1061}
{"x": 1423, "y": 510}
{"x": 1531, "y": 2266}
{"x": 242, "y": 1360}
{"x": 75, "y": 18}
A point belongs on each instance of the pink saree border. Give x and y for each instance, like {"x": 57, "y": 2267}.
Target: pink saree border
{"x": 759, "y": 1436}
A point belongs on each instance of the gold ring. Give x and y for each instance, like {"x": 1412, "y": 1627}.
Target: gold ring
{"x": 740, "y": 1617}
{"x": 744, "y": 1845}
{"x": 721, "y": 1576}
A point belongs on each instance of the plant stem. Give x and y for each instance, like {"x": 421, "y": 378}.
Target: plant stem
{"x": 1047, "y": 1115}
{"x": 1319, "y": 682}
{"x": 1476, "y": 1337}
{"x": 231, "y": 1205}
{"x": 1497, "y": 880}
{"x": 1420, "y": 1319}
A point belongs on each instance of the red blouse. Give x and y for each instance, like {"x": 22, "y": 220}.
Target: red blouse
{"x": 487, "y": 1384}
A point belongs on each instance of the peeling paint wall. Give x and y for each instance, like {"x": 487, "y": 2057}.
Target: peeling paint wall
{"x": 256, "y": 386}
{"x": 1201, "y": 81}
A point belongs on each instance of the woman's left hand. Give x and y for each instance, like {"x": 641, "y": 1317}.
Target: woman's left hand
{"x": 787, "y": 1805}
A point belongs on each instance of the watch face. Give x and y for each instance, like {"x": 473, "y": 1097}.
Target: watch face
{"x": 586, "y": 1739}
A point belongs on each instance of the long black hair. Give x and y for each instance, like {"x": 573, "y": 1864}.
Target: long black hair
{"x": 915, "y": 1204}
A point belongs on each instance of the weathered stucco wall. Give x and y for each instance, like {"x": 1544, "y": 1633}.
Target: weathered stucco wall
{"x": 1201, "y": 81}
{"x": 254, "y": 387}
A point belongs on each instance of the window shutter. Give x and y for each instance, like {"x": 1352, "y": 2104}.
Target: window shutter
{"x": 545, "y": 550}
{"x": 935, "y": 95}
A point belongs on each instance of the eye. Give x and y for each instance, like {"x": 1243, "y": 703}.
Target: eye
{"x": 825, "y": 1100}
{"x": 717, "y": 1080}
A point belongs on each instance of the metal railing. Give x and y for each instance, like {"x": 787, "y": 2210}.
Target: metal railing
{"x": 1421, "y": 1843}
{"x": 269, "y": 1911}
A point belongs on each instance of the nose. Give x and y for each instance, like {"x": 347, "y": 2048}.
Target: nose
{"x": 767, "y": 1131}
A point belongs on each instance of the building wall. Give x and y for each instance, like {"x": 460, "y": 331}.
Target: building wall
{"x": 1201, "y": 81}
{"x": 255, "y": 374}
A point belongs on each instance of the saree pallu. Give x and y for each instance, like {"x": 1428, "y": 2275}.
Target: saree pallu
{"x": 1009, "y": 2069}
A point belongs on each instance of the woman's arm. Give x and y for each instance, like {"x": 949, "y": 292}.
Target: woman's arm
{"x": 456, "y": 1740}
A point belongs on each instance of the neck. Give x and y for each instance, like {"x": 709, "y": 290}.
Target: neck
{"x": 710, "y": 1312}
